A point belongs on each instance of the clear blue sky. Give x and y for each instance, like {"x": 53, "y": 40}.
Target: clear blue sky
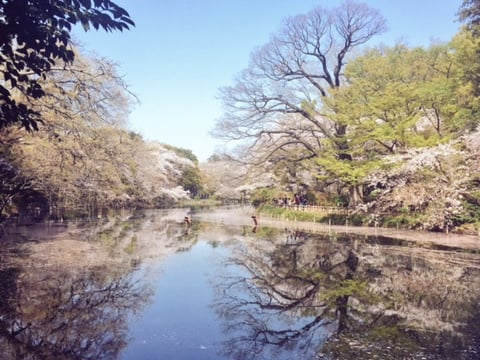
{"x": 182, "y": 51}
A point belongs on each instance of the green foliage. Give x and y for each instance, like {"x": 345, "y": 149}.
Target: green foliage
{"x": 471, "y": 207}
{"x": 405, "y": 220}
{"x": 191, "y": 180}
{"x": 312, "y": 216}
{"x": 271, "y": 210}
{"x": 348, "y": 287}
{"x": 340, "y": 200}
{"x": 309, "y": 106}
{"x": 264, "y": 196}
{"x": 348, "y": 172}
{"x": 373, "y": 195}
{"x": 290, "y": 214}
{"x": 466, "y": 48}
{"x": 313, "y": 274}
{"x": 181, "y": 152}
{"x": 398, "y": 98}
{"x": 132, "y": 245}
{"x": 35, "y": 37}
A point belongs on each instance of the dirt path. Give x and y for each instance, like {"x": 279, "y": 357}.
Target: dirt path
{"x": 243, "y": 217}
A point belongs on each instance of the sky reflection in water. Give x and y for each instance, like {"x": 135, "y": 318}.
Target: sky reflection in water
{"x": 148, "y": 288}
{"x": 180, "y": 323}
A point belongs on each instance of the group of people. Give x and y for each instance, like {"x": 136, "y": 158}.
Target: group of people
{"x": 296, "y": 200}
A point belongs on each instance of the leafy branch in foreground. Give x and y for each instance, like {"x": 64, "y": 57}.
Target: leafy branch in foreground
{"x": 34, "y": 37}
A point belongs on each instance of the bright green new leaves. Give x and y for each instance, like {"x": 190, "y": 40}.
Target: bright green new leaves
{"x": 396, "y": 99}
{"x": 399, "y": 98}
{"x": 467, "y": 51}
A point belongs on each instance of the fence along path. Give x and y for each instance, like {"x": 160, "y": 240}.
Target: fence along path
{"x": 321, "y": 210}
{"x": 324, "y": 210}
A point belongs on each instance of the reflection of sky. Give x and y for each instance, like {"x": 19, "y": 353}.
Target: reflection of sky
{"x": 180, "y": 323}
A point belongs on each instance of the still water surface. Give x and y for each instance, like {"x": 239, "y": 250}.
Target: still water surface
{"x": 180, "y": 323}
{"x": 148, "y": 287}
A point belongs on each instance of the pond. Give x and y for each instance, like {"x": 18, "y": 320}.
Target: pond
{"x": 150, "y": 286}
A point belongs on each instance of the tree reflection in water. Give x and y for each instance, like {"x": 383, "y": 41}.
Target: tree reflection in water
{"x": 276, "y": 303}
{"x": 67, "y": 299}
{"x": 71, "y": 316}
{"x": 284, "y": 294}
{"x": 307, "y": 296}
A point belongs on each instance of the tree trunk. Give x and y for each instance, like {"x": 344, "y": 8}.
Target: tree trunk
{"x": 356, "y": 195}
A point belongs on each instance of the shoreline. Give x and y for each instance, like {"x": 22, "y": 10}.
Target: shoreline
{"x": 243, "y": 217}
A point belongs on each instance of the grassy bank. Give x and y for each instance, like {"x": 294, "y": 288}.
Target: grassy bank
{"x": 316, "y": 217}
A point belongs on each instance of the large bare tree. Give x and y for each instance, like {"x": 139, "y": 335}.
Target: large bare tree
{"x": 274, "y": 104}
